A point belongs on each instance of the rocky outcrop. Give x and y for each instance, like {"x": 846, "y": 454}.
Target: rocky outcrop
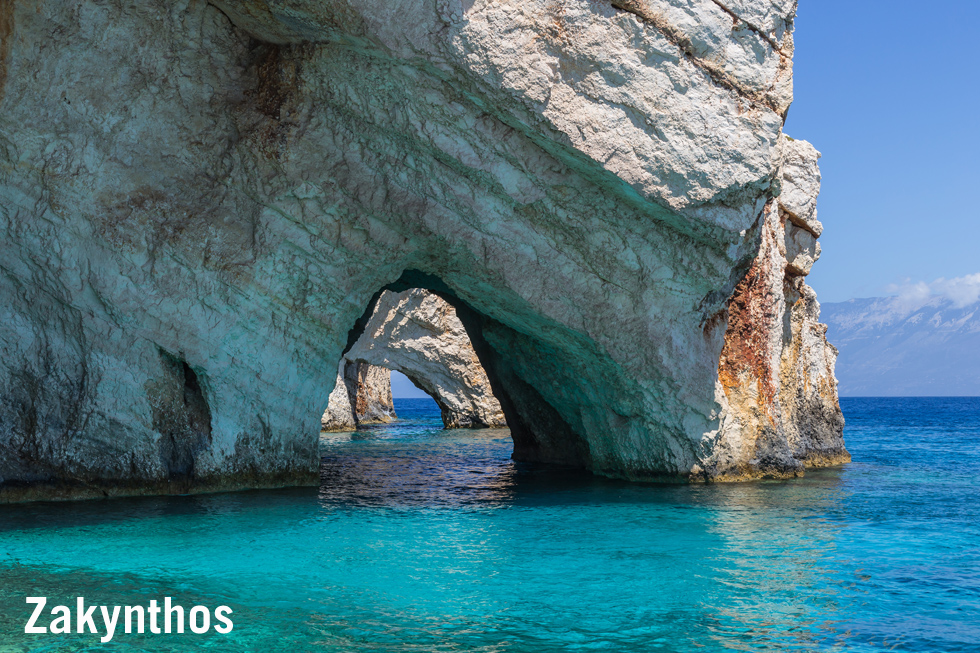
{"x": 418, "y": 333}
{"x": 777, "y": 368}
{"x": 361, "y": 395}
{"x": 808, "y": 387}
{"x": 198, "y": 201}
{"x": 369, "y": 390}
{"x": 339, "y": 415}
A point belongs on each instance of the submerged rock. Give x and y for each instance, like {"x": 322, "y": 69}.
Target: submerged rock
{"x": 205, "y": 198}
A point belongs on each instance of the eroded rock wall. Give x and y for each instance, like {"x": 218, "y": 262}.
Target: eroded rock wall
{"x": 198, "y": 201}
{"x": 776, "y": 367}
{"x": 362, "y": 395}
{"x": 369, "y": 390}
{"x": 339, "y": 415}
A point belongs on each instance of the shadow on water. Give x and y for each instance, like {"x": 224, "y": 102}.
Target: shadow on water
{"x": 417, "y": 475}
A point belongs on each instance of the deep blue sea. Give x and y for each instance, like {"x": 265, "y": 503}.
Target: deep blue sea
{"x": 421, "y": 540}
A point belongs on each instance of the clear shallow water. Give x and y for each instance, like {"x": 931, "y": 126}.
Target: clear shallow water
{"x": 426, "y": 540}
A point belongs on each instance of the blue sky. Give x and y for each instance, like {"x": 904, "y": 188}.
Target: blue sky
{"x": 888, "y": 91}
{"x": 402, "y": 388}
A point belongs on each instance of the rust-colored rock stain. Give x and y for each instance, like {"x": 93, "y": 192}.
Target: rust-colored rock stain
{"x": 6, "y": 32}
{"x": 750, "y": 313}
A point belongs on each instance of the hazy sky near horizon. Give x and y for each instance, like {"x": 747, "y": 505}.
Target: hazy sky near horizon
{"x": 888, "y": 91}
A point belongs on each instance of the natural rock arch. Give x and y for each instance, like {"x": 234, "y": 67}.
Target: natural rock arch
{"x": 592, "y": 191}
{"x": 417, "y": 333}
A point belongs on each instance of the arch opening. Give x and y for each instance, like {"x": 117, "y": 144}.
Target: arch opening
{"x": 418, "y": 334}
{"x": 422, "y": 328}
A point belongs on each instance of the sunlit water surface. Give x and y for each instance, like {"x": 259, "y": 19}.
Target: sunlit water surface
{"x": 421, "y": 539}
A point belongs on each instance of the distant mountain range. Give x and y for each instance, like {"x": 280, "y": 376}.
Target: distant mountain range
{"x": 905, "y": 346}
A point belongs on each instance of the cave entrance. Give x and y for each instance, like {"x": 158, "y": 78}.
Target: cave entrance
{"x": 480, "y": 371}
{"x": 416, "y": 335}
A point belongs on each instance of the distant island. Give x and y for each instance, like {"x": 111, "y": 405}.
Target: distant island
{"x": 905, "y": 346}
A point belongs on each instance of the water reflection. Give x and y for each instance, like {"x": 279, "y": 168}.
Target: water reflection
{"x": 778, "y": 568}
{"x": 441, "y": 468}
{"x": 758, "y": 560}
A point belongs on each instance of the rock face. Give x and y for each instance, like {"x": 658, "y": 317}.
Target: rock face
{"x": 418, "y": 333}
{"x": 362, "y": 395}
{"x": 199, "y": 201}
{"x": 776, "y": 367}
{"x": 369, "y": 391}
{"x": 339, "y": 415}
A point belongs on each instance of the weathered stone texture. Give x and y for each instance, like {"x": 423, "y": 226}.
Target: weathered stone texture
{"x": 223, "y": 191}
{"x": 361, "y": 396}
{"x": 777, "y": 368}
{"x": 339, "y": 415}
{"x": 369, "y": 390}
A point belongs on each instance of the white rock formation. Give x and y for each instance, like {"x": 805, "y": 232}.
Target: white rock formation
{"x": 418, "y": 333}
{"x": 362, "y": 395}
{"x": 339, "y": 415}
{"x": 369, "y": 390}
{"x": 198, "y": 200}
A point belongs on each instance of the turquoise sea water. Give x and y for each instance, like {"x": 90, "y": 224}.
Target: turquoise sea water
{"x": 426, "y": 540}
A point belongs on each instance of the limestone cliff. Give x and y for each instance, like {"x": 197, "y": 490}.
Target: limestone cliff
{"x": 369, "y": 389}
{"x": 200, "y": 202}
{"x": 418, "y": 333}
{"x": 777, "y": 368}
{"x": 362, "y": 395}
{"x": 339, "y": 415}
